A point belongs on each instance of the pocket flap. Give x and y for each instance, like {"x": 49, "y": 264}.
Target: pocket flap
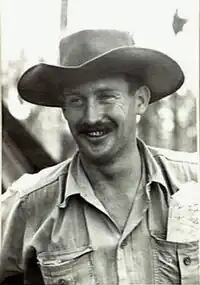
{"x": 60, "y": 257}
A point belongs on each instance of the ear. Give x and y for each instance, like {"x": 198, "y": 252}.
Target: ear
{"x": 143, "y": 95}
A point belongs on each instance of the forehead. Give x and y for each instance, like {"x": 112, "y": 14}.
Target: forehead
{"x": 113, "y": 82}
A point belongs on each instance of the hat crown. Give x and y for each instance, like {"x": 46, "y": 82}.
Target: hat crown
{"x": 80, "y": 47}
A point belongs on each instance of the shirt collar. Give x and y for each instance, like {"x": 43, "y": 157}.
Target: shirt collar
{"x": 77, "y": 182}
{"x": 152, "y": 168}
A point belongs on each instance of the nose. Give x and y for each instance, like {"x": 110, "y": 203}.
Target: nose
{"x": 93, "y": 112}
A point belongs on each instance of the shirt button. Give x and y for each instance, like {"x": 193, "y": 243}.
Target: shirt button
{"x": 187, "y": 260}
{"x": 62, "y": 282}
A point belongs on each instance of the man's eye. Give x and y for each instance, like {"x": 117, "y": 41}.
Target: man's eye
{"x": 74, "y": 101}
{"x": 108, "y": 97}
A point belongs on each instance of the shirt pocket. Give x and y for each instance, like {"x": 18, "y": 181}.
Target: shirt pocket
{"x": 174, "y": 262}
{"x": 67, "y": 268}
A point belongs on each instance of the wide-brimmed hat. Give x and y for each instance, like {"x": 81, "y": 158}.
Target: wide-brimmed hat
{"x": 89, "y": 54}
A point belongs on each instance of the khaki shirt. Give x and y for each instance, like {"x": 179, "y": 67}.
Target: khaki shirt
{"x": 56, "y": 231}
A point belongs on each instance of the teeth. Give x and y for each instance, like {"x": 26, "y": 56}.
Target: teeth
{"x": 95, "y": 134}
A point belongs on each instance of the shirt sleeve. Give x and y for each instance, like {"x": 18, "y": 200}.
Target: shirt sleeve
{"x": 13, "y": 224}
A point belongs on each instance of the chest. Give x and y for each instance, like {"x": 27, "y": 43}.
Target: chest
{"x": 118, "y": 209}
{"x": 81, "y": 245}
{"x": 118, "y": 202}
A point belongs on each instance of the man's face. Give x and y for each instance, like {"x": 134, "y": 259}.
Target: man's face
{"x": 102, "y": 117}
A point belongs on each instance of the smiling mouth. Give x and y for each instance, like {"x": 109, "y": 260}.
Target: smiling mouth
{"x": 96, "y": 134}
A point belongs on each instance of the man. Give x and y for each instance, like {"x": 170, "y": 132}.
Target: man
{"x": 100, "y": 218}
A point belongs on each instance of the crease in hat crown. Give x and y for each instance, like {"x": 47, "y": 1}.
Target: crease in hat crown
{"x": 81, "y": 47}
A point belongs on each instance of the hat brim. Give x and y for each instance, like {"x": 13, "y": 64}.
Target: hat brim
{"x": 43, "y": 84}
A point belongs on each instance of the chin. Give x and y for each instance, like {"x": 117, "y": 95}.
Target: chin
{"x": 100, "y": 153}
{"x": 98, "y": 157}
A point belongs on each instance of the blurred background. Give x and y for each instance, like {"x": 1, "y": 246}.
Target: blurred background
{"x": 35, "y": 137}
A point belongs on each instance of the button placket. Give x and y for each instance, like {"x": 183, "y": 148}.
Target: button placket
{"x": 121, "y": 267}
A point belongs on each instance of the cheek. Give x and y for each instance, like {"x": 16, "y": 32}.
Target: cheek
{"x": 72, "y": 116}
{"x": 124, "y": 110}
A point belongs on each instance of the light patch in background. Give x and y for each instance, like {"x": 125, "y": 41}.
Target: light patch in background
{"x": 33, "y": 26}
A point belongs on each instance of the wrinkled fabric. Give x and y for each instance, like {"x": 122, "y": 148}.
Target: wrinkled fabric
{"x": 56, "y": 231}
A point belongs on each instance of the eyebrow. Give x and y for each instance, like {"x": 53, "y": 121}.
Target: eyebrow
{"x": 98, "y": 90}
{"x": 103, "y": 89}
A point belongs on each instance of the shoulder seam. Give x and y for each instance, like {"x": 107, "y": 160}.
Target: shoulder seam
{"x": 175, "y": 160}
{"x": 34, "y": 189}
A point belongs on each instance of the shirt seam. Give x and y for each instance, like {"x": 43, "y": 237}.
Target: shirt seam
{"x": 174, "y": 160}
{"x": 33, "y": 190}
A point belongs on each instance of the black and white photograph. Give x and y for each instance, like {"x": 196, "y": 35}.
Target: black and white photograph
{"x": 100, "y": 172}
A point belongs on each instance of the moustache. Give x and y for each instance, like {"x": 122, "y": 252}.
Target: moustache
{"x": 85, "y": 128}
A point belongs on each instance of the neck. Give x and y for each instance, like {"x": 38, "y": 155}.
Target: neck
{"x": 115, "y": 184}
{"x": 122, "y": 170}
